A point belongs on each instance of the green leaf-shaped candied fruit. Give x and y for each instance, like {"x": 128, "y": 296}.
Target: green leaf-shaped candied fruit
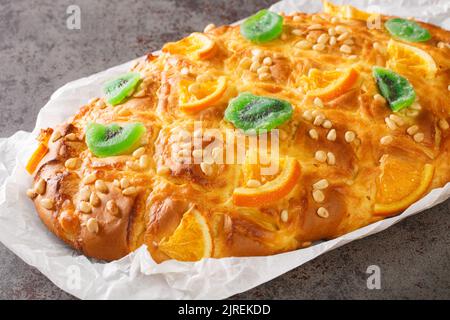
{"x": 255, "y": 114}
{"x": 113, "y": 139}
{"x": 407, "y": 30}
{"x": 118, "y": 89}
{"x": 396, "y": 89}
{"x": 263, "y": 26}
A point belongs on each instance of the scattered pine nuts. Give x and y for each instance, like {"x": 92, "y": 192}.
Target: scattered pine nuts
{"x": 321, "y": 184}
{"x": 318, "y": 196}
{"x": 318, "y": 102}
{"x": 90, "y": 178}
{"x": 331, "y": 136}
{"x": 331, "y": 159}
{"x": 41, "y": 186}
{"x": 386, "y": 140}
{"x": 84, "y": 207}
{"x": 313, "y": 134}
{"x": 320, "y": 156}
{"x": 419, "y": 137}
{"x": 349, "y": 136}
{"x": 345, "y": 49}
{"x": 139, "y": 152}
{"x": 323, "y": 213}
{"x": 101, "y": 186}
{"x": 47, "y": 203}
{"x": 443, "y": 124}
{"x": 92, "y": 225}
{"x": 412, "y": 130}
{"x": 130, "y": 191}
{"x": 284, "y": 215}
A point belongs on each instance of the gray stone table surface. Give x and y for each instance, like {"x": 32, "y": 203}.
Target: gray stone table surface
{"x": 38, "y": 54}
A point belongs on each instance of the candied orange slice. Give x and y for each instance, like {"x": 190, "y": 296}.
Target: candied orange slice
{"x": 405, "y": 58}
{"x": 191, "y": 240}
{"x": 346, "y": 11}
{"x": 271, "y": 191}
{"x": 197, "y": 45}
{"x": 400, "y": 184}
{"x": 328, "y": 85}
{"x": 40, "y": 151}
{"x": 196, "y": 96}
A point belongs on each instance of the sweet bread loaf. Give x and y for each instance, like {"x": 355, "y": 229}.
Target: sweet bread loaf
{"x": 355, "y": 122}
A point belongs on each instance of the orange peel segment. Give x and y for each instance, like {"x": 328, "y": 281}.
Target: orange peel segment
{"x": 39, "y": 153}
{"x": 206, "y": 94}
{"x": 328, "y": 85}
{"x": 405, "y": 58}
{"x": 271, "y": 191}
{"x": 197, "y": 45}
{"x": 192, "y": 233}
{"x": 401, "y": 184}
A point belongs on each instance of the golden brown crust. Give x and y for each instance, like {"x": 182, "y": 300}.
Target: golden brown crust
{"x": 107, "y": 207}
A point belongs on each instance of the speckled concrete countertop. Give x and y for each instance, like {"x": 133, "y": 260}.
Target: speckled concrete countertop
{"x": 38, "y": 54}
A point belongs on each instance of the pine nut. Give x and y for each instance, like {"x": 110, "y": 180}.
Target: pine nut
{"x": 331, "y": 159}
{"x": 331, "y": 31}
{"x": 333, "y": 40}
{"x": 349, "y": 42}
{"x": 41, "y": 186}
{"x": 253, "y": 183}
{"x": 321, "y": 184}
{"x": 257, "y": 53}
{"x": 318, "y": 196}
{"x": 84, "y": 207}
{"x": 349, "y": 136}
{"x": 331, "y": 136}
{"x": 327, "y": 124}
{"x": 318, "y": 47}
{"x": 255, "y": 66}
{"x": 47, "y": 203}
{"x": 386, "y": 140}
{"x": 412, "y": 130}
{"x": 144, "y": 161}
{"x": 397, "y": 119}
{"x": 112, "y": 208}
{"x": 124, "y": 183}
{"x": 85, "y": 193}
{"x": 316, "y": 26}
{"x": 92, "y": 225}
{"x": 341, "y": 29}
{"x": 323, "y": 38}
{"x": 319, "y": 120}
{"x": 267, "y": 61}
{"x": 313, "y": 134}
{"x": 307, "y": 115}
{"x": 139, "y": 152}
{"x": 90, "y": 178}
{"x": 323, "y": 213}
{"x": 297, "y": 32}
{"x": 31, "y": 194}
{"x": 419, "y": 137}
{"x": 264, "y": 76}
{"x": 318, "y": 102}
{"x": 443, "y": 124}
{"x": 94, "y": 200}
{"x": 297, "y": 19}
{"x": 130, "y": 191}
{"x": 263, "y": 69}
{"x": 303, "y": 44}
{"x": 320, "y": 156}
{"x": 390, "y": 124}
{"x": 101, "y": 186}
{"x": 284, "y": 215}
{"x": 345, "y": 49}
{"x": 72, "y": 163}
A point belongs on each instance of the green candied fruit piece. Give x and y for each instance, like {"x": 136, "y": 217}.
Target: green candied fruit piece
{"x": 113, "y": 140}
{"x": 118, "y": 89}
{"x": 255, "y": 114}
{"x": 263, "y": 26}
{"x": 407, "y": 30}
{"x": 396, "y": 89}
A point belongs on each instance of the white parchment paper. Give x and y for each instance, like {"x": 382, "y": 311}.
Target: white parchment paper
{"x": 136, "y": 276}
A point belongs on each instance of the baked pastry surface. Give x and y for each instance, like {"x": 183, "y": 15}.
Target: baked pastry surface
{"x": 352, "y": 150}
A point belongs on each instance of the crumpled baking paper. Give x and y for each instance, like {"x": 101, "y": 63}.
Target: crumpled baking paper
{"x": 137, "y": 276}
